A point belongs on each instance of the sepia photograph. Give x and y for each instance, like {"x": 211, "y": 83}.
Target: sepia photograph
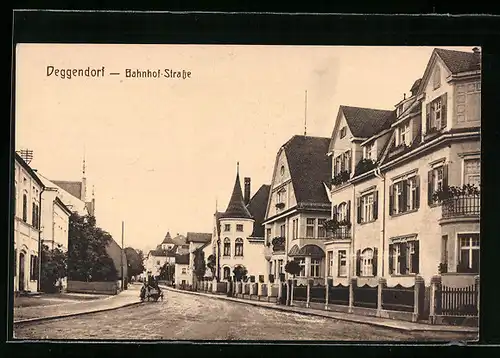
{"x": 246, "y": 193}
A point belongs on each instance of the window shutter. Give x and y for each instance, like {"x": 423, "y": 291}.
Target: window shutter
{"x": 404, "y": 187}
{"x": 417, "y": 192}
{"x": 350, "y": 162}
{"x": 391, "y": 259}
{"x": 342, "y": 162}
{"x": 428, "y": 116}
{"x": 15, "y": 262}
{"x": 391, "y": 200}
{"x": 33, "y": 215}
{"x": 349, "y": 211}
{"x": 444, "y": 100}
{"x": 358, "y": 206}
{"x": 335, "y": 167}
{"x": 445, "y": 176}
{"x": 415, "y": 259}
{"x": 375, "y": 205}
{"x": 402, "y": 258}
{"x": 334, "y": 212}
{"x": 358, "y": 263}
{"x": 374, "y": 262}
{"x": 430, "y": 189}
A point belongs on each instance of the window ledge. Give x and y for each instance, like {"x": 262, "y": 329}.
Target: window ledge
{"x": 342, "y": 276}
{"x": 367, "y": 222}
{"x": 238, "y": 256}
{"x": 369, "y": 276}
{"x": 404, "y": 213}
{"x": 405, "y": 275}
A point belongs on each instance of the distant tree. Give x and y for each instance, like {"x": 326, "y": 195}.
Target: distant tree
{"x": 239, "y": 272}
{"x": 212, "y": 264}
{"x": 134, "y": 261}
{"x": 88, "y": 259}
{"x": 54, "y": 268}
{"x": 199, "y": 264}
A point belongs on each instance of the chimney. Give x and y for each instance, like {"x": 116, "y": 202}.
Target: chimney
{"x": 247, "y": 191}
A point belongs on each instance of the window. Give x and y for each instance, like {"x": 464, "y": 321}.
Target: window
{"x": 444, "y": 250}
{"x": 310, "y": 223}
{"x": 404, "y": 195}
{"x": 302, "y": 263}
{"x": 404, "y": 257}
{"x": 469, "y": 253}
{"x": 367, "y": 263}
{"x": 227, "y": 247}
{"x": 33, "y": 215}
{"x": 227, "y": 227}
{"x": 370, "y": 151}
{"x": 436, "y": 113}
{"x": 404, "y": 134}
{"x": 472, "y": 172}
{"x": 342, "y": 163}
{"x": 268, "y": 235}
{"x": 158, "y": 262}
{"x": 238, "y": 247}
{"x": 468, "y": 102}
{"x": 280, "y": 266}
{"x": 183, "y": 270}
{"x": 367, "y": 207}
{"x": 437, "y": 180}
{"x": 33, "y": 268}
{"x": 295, "y": 229}
{"x": 341, "y": 212}
{"x": 321, "y": 228}
{"x": 315, "y": 266}
{"x": 330, "y": 263}
{"x": 282, "y": 230}
{"x": 226, "y": 273}
{"x": 239, "y": 227}
{"x": 342, "y": 269}
{"x": 25, "y": 208}
{"x": 436, "y": 78}
{"x": 343, "y": 132}
{"x": 282, "y": 170}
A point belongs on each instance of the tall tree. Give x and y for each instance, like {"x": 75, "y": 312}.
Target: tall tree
{"x": 134, "y": 261}
{"x": 88, "y": 259}
{"x": 211, "y": 264}
{"x": 54, "y": 268}
{"x": 199, "y": 264}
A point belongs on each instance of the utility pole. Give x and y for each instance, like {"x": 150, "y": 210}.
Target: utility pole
{"x": 121, "y": 257}
{"x": 305, "y": 115}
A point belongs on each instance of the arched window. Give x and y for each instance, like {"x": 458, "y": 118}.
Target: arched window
{"x": 226, "y": 273}
{"x": 238, "y": 247}
{"x": 227, "y": 247}
{"x": 342, "y": 212}
{"x": 367, "y": 262}
{"x": 25, "y": 208}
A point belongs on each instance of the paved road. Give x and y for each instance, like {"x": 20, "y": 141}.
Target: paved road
{"x": 188, "y": 317}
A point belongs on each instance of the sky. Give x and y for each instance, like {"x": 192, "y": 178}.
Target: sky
{"x": 161, "y": 153}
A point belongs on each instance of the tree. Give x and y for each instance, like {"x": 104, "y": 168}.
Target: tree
{"x": 293, "y": 268}
{"x": 199, "y": 264}
{"x": 54, "y": 268}
{"x": 167, "y": 272}
{"x": 212, "y": 264}
{"x": 135, "y": 262}
{"x": 239, "y": 271}
{"x": 88, "y": 259}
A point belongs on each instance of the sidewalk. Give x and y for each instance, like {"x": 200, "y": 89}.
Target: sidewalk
{"x": 39, "y": 313}
{"x": 374, "y": 321}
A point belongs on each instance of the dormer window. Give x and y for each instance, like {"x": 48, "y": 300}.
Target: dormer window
{"x": 436, "y": 113}
{"x": 370, "y": 151}
{"x": 343, "y": 132}
{"x": 404, "y": 134}
{"x": 436, "y": 78}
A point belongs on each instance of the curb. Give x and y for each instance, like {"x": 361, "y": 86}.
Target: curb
{"x": 48, "y": 318}
{"x": 318, "y": 314}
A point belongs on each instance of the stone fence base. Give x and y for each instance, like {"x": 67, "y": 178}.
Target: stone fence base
{"x": 104, "y": 288}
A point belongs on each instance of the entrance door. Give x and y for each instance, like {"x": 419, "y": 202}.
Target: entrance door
{"x": 21, "y": 272}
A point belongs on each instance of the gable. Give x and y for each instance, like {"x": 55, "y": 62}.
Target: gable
{"x": 337, "y": 143}
{"x": 281, "y": 182}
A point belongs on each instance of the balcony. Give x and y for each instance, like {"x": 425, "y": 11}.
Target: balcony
{"x": 342, "y": 233}
{"x": 341, "y": 178}
{"x": 463, "y": 206}
{"x": 278, "y": 244}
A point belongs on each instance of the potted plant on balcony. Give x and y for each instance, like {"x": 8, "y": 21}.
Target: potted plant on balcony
{"x": 278, "y": 243}
{"x": 341, "y": 177}
{"x": 431, "y": 132}
{"x": 364, "y": 165}
{"x": 463, "y": 199}
{"x": 442, "y": 268}
{"x": 280, "y": 206}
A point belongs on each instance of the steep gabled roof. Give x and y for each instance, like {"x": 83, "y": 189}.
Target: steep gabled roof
{"x": 72, "y": 187}
{"x": 257, "y": 208}
{"x": 30, "y": 171}
{"x": 459, "y": 61}
{"x": 309, "y": 167}
{"x": 198, "y": 237}
{"x": 167, "y": 239}
{"x": 365, "y": 122}
{"x": 236, "y": 207}
{"x": 179, "y": 240}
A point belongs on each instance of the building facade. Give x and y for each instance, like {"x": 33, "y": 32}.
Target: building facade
{"x": 197, "y": 241}
{"x": 238, "y": 236}
{"x": 28, "y": 189}
{"x": 298, "y": 206}
{"x": 411, "y": 195}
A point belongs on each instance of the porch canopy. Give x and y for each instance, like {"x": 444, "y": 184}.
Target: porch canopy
{"x": 313, "y": 251}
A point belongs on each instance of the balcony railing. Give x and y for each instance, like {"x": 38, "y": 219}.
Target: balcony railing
{"x": 342, "y": 233}
{"x": 466, "y": 205}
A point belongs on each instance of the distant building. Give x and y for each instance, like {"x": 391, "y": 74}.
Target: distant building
{"x": 197, "y": 240}
{"x": 238, "y": 237}
{"x": 28, "y": 190}
{"x": 183, "y": 274}
{"x": 164, "y": 253}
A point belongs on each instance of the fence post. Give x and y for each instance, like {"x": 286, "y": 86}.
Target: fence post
{"x": 434, "y": 310}
{"x": 214, "y": 286}
{"x": 354, "y": 283}
{"x": 289, "y": 292}
{"x": 280, "y": 290}
{"x": 417, "y": 292}
{"x": 327, "y": 293}
{"x": 478, "y": 303}
{"x": 308, "y": 293}
{"x": 382, "y": 283}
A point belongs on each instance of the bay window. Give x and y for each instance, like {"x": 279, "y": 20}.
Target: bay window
{"x": 469, "y": 253}
{"x": 342, "y": 263}
{"x": 330, "y": 263}
{"x": 315, "y": 268}
{"x": 295, "y": 228}
{"x": 302, "y": 264}
{"x": 310, "y": 223}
